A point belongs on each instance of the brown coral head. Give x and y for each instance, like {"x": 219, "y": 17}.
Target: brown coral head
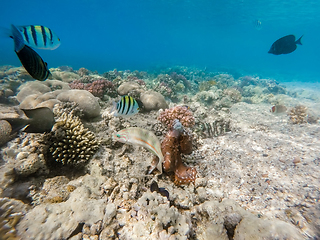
{"x": 184, "y": 175}
{"x": 185, "y": 143}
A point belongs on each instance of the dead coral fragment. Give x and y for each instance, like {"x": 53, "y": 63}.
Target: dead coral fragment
{"x": 182, "y": 113}
{"x": 8, "y": 220}
{"x": 298, "y": 114}
{"x": 71, "y": 142}
{"x": 177, "y": 142}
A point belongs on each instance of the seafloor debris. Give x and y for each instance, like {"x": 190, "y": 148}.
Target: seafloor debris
{"x": 8, "y": 220}
{"x": 154, "y": 187}
{"x": 298, "y": 114}
{"x": 218, "y": 127}
{"x": 71, "y": 143}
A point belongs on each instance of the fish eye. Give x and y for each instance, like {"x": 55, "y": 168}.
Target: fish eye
{"x": 118, "y": 135}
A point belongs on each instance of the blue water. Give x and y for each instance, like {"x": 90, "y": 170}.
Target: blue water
{"x": 142, "y": 34}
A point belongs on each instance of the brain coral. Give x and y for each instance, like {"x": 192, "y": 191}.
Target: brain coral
{"x": 71, "y": 143}
{"x": 182, "y": 113}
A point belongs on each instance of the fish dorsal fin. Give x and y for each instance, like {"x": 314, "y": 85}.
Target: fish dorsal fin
{"x": 299, "y": 41}
{"x": 17, "y": 38}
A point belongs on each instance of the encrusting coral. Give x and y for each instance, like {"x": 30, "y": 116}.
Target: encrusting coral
{"x": 71, "y": 142}
{"x": 176, "y": 142}
{"x": 182, "y": 113}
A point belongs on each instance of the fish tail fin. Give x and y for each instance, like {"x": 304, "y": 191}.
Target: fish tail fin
{"x": 114, "y": 108}
{"x": 299, "y": 41}
{"x": 140, "y": 104}
{"x": 17, "y": 125}
{"x": 17, "y": 38}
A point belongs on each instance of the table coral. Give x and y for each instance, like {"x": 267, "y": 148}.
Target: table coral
{"x": 182, "y": 113}
{"x": 177, "y": 142}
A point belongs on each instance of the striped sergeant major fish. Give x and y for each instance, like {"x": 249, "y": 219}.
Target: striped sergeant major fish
{"x": 126, "y": 107}
{"x": 36, "y": 36}
{"x": 30, "y": 60}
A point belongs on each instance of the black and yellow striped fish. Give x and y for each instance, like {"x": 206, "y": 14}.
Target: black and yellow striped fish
{"x": 37, "y": 36}
{"x": 33, "y": 63}
{"x": 125, "y": 107}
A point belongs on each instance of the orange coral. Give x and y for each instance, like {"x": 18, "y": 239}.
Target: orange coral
{"x": 177, "y": 142}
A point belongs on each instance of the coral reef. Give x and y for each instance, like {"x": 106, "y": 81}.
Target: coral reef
{"x": 40, "y": 94}
{"x": 259, "y": 181}
{"x": 71, "y": 143}
{"x": 206, "y": 85}
{"x": 176, "y": 142}
{"x": 48, "y": 220}
{"x": 226, "y": 220}
{"x": 130, "y": 88}
{"x": 298, "y": 114}
{"x": 64, "y": 74}
{"x": 83, "y": 72}
{"x": 182, "y": 113}
{"x": 25, "y": 156}
{"x": 97, "y": 86}
{"x": 161, "y": 221}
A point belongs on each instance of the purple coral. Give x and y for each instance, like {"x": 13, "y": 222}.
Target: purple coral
{"x": 182, "y": 113}
{"x": 97, "y": 87}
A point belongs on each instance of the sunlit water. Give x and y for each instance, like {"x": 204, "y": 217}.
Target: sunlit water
{"x": 217, "y": 35}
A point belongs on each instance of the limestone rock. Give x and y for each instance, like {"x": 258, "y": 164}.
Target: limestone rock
{"x": 153, "y": 101}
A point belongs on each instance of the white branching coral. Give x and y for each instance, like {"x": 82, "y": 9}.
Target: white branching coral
{"x": 72, "y": 143}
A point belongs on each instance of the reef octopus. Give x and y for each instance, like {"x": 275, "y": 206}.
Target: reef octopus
{"x": 176, "y": 142}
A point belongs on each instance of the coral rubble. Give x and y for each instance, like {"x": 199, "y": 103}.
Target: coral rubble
{"x": 9, "y": 217}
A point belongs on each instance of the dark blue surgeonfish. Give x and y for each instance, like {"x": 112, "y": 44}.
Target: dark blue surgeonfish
{"x": 285, "y": 45}
{"x": 33, "y": 63}
{"x": 30, "y": 60}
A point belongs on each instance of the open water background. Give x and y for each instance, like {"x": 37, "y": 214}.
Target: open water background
{"x": 143, "y": 34}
